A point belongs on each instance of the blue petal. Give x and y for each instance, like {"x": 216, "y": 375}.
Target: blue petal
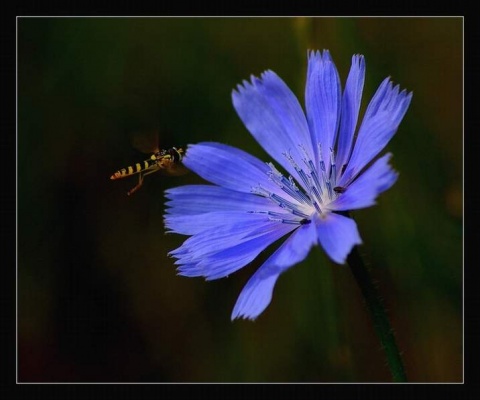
{"x": 322, "y": 100}
{"x": 363, "y": 191}
{"x": 225, "y": 260}
{"x": 383, "y": 115}
{"x": 197, "y": 199}
{"x": 219, "y": 237}
{"x": 337, "y": 235}
{"x": 228, "y": 166}
{"x": 257, "y": 293}
{"x": 194, "y": 224}
{"x": 350, "y": 107}
{"x": 274, "y": 117}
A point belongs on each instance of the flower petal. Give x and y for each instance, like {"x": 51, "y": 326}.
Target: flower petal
{"x": 337, "y": 235}
{"x": 322, "y": 101}
{"x": 363, "y": 191}
{"x": 273, "y": 115}
{"x": 230, "y": 258}
{"x": 351, "y": 100}
{"x": 228, "y": 166}
{"x": 219, "y": 237}
{"x": 195, "y": 224}
{"x": 257, "y": 293}
{"x": 383, "y": 115}
{"x": 197, "y": 199}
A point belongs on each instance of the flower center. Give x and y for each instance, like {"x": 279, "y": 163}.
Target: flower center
{"x": 318, "y": 189}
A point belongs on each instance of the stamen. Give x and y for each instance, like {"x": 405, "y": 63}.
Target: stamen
{"x": 284, "y": 184}
{"x": 281, "y": 215}
{"x": 322, "y": 163}
{"x": 288, "y": 221}
{"x": 300, "y": 193}
{"x": 316, "y": 207}
{"x": 260, "y": 191}
{"x": 304, "y": 151}
{"x": 316, "y": 181}
{"x": 299, "y": 213}
{"x": 315, "y": 191}
{"x": 333, "y": 171}
{"x": 297, "y": 168}
{"x": 274, "y": 170}
{"x": 290, "y": 159}
{"x": 282, "y": 202}
{"x": 293, "y": 192}
{"x": 329, "y": 189}
{"x": 317, "y": 195}
{"x": 275, "y": 214}
{"x": 276, "y": 219}
{"x": 303, "y": 176}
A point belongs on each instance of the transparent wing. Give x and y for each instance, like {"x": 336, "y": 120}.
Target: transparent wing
{"x": 176, "y": 169}
{"x": 145, "y": 141}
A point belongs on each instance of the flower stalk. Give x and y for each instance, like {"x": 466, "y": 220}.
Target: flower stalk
{"x": 378, "y": 314}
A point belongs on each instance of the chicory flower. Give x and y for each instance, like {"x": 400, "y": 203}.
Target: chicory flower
{"x": 328, "y": 170}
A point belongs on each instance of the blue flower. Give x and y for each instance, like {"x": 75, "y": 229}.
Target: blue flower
{"x": 253, "y": 204}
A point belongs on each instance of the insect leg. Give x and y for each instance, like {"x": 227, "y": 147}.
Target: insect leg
{"x": 140, "y": 181}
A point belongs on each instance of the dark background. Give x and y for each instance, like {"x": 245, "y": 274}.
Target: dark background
{"x": 98, "y": 298}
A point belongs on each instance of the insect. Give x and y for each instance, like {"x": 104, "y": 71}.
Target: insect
{"x": 168, "y": 162}
{"x": 339, "y": 189}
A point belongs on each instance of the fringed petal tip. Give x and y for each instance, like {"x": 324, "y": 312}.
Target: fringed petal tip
{"x": 394, "y": 89}
{"x": 233, "y": 317}
{"x": 319, "y": 55}
{"x": 257, "y": 293}
{"x": 254, "y": 82}
{"x": 241, "y": 88}
{"x": 358, "y": 60}
{"x": 254, "y": 299}
{"x": 169, "y": 229}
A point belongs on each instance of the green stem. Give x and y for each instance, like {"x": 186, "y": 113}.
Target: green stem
{"x": 378, "y": 314}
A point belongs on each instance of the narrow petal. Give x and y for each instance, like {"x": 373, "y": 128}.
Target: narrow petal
{"x": 351, "y": 100}
{"x": 230, "y": 260}
{"x": 337, "y": 235}
{"x": 225, "y": 260}
{"x": 380, "y": 123}
{"x": 195, "y": 224}
{"x": 228, "y": 167}
{"x": 198, "y": 199}
{"x": 273, "y": 115}
{"x": 363, "y": 191}
{"x": 217, "y": 238}
{"x": 322, "y": 101}
{"x": 257, "y": 293}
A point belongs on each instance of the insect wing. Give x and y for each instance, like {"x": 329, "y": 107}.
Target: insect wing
{"x": 146, "y": 141}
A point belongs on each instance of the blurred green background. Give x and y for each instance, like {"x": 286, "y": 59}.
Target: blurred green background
{"x": 98, "y": 298}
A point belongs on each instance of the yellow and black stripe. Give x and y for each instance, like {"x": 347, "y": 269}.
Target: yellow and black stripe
{"x": 139, "y": 167}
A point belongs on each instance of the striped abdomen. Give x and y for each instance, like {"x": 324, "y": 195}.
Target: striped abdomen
{"x": 135, "y": 169}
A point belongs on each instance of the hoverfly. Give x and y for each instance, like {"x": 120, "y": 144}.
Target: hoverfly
{"x": 168, "y": 161}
